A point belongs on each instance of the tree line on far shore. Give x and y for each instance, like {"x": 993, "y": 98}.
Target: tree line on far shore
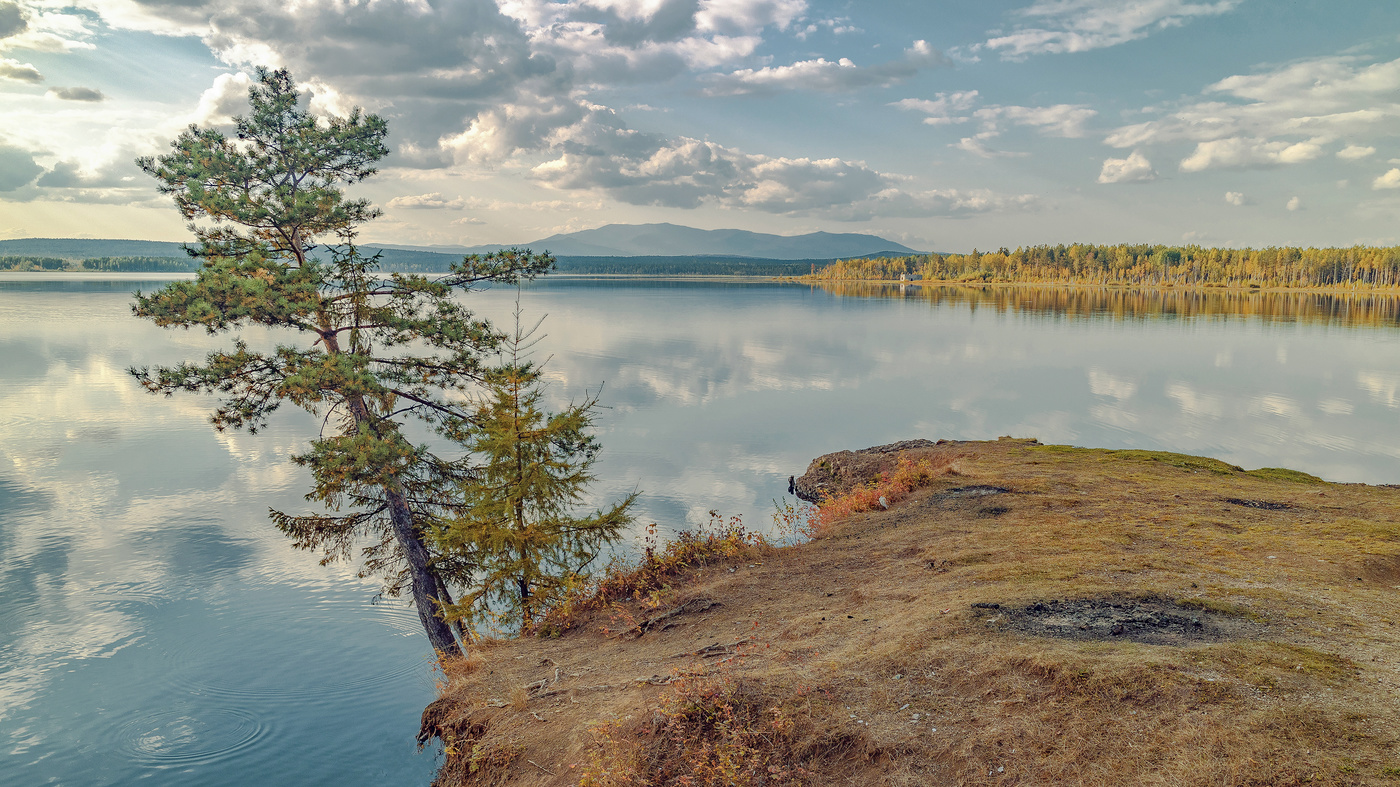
{"x": 21, "y": 262}
{"x": 1138, "y": 264}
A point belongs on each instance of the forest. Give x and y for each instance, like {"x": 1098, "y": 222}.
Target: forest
{"x": 1138, "y": 265}
{"x": 102, "y": 264}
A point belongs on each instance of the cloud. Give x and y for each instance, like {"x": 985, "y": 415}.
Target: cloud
{"x": 977, "y": 147}
{"x": 1240, "y": 152}
{"x": 51, "y": 26}
{"x": 599, "y": 153}
{"x": 829, "y": 76}
{"x": 13, "y": 20}
{"x": 942, "y": 108}
{"x": 468, "y": 221}
{"x": 77, "y": 94}
{"x": 65, "y": 174}
{"x": 1061, "y": 26}
{"x": 19, "y": 72}
{"x": 1355, "y": 152}
{"x": 1235, "y": 198}
{"x": 1295, "y": 203}
{"x": 1280, "y": 116}
{"x": 620, "y": 41}
{"x": 434, "y": 64}
{"x": 433, "y": 201}
{"x": 472, "y": 84}
{"x": 1390, "y": 180}
{"x": 1133, "y": 169}
{"x": 17, "y": 168}
{"x": 228, "y": 96}
{"x": 1060, "y": 120}
{"x": 68, "y": 174}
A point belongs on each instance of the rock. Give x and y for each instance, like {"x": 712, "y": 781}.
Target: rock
{"x": 835, "y": 473}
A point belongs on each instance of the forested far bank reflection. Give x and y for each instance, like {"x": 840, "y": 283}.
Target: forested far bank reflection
{"x": 1300, "y": 306}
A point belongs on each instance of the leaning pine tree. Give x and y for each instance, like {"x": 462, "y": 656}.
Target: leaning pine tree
{"x": 367, "y": 350}
{"x": 518, "y": 519}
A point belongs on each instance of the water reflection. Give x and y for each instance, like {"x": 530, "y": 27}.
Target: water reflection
{"x": 1377, "y": 310}
{"x": 142, "y": 579}
{"x": 157, "y": 625}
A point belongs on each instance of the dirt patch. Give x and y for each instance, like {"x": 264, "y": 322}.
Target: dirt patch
{"x": 980, "y": 490}
{"x": 1150, "y": 620}
{"x": 1260, "y": 504}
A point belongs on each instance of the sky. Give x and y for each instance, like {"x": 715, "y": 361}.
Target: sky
{"x": 942, "y": 125}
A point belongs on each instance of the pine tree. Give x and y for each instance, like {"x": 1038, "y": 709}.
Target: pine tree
{"x": 367, "y": 350}
{"x": 518, "y": 517}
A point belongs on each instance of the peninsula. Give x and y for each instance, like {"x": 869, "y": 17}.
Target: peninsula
{"x": 1026, "y": 614}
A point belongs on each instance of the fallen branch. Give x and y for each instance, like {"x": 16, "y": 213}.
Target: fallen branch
{"x": 693, "y": 606}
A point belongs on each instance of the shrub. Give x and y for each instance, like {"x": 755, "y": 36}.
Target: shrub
{"x": 893, "y": 486}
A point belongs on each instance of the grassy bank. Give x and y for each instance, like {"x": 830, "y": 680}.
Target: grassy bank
{"x": 1028, "y": 614}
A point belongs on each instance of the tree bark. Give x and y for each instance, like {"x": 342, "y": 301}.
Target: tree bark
{"x": 425, "y": 581}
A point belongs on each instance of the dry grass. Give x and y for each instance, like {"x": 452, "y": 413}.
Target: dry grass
{"x": 858, "y": 658}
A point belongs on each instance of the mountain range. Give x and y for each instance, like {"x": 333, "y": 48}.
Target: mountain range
{"x": 673, "y": 240}
{"x": 612, "y": 241}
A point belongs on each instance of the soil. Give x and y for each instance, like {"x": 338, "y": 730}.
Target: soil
{"x": 1148, "y": 620}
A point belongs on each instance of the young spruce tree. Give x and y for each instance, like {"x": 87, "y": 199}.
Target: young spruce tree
{"x": 366, "y": 350}
{"x": 517, "y": 517}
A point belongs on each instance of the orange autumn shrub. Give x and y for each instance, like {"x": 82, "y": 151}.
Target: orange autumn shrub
{"x": 893, "y": 486}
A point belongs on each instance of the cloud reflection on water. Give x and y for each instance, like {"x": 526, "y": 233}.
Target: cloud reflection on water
{"x": 126, "y": 522}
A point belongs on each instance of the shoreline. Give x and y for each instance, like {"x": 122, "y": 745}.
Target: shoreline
{"x": 1203, "y": 288}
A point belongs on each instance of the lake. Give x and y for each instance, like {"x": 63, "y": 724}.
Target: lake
{"x": 157, "y": 628}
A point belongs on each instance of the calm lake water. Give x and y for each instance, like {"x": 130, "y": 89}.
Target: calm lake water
{"x": 157, "y": 628}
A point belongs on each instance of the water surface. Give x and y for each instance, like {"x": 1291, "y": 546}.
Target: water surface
{"x": 157, "y": 627}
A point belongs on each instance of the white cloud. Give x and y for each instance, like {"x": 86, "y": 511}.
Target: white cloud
{"x": 43, "y": 27}
{"x": 1295, "y": 203}
{"x": 1133, "y": 169}
{"x": 941, "y": 108}
{"x": 1240, "y": 152}
{"x": 1390, "y": 180}
{"x": 1355, "y": 152}
{"x": 430, "y": 201}
{"x": 976, "y": 145}
{"x": 1235, "y": 198}
{"x": 1060, "y": 120}
{"x": 1060, "y": 26}
{"x": 824, "y": 75}
{"x": 1281, "y": 116}
{"x": 228, "y": 96}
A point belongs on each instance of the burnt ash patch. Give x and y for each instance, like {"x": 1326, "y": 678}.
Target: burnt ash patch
{"x": 1260, "y": 504}
{"x": 1150, "y": 620}
{"x": 973, "y": 491}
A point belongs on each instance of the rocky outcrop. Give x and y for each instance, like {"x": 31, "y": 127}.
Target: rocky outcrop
{"x": 835, "y": 473}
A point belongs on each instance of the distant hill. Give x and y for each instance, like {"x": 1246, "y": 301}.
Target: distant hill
{"x": 83, "y": 248}
{"x": 672, "y": 240}
{"x": 615, "y": 248}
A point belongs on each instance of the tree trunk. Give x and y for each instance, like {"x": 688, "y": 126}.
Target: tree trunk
{"x": 425, "y": 581}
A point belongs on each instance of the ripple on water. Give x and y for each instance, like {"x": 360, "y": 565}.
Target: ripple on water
{"x": 268, "y": 666}
{"x": 182, "y": 737}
